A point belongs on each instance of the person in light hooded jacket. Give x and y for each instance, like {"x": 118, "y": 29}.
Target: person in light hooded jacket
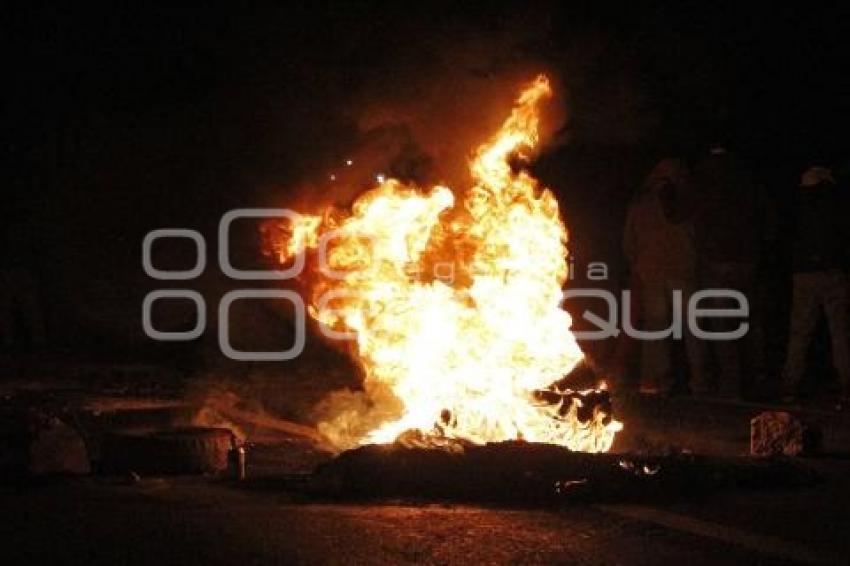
{"x": 658, "y": 241}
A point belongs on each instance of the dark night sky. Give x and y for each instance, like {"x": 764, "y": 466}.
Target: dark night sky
{"x": 124, "y": 119}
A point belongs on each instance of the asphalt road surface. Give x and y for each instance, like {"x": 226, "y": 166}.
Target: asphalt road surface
{"x": 198, "y": 520}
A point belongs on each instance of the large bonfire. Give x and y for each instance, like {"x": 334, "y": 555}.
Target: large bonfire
{"x": 453, "y": 302}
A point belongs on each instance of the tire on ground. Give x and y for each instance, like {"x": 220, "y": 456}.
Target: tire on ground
{"x": 189, "y": 450}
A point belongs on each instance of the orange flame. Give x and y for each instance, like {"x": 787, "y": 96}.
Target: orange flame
{"x": 455, "y": 308}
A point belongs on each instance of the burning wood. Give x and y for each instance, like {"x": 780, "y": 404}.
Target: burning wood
{"x": 591, "y": 405}
{"x": 227, "y": 406}
{"x": 581, "y": 409}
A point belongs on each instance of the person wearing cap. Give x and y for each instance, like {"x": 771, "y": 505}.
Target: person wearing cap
{"x": 658, "y": 242}
{"x": 821, "y": 240}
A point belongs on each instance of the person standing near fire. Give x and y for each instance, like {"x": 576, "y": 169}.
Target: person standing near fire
{"x": 821, "y": 256}
{"x": 734, "y": 225}
{"x": 658, "y": 242}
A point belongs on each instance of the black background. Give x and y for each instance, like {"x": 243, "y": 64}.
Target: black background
{"x": 123, "y": 119}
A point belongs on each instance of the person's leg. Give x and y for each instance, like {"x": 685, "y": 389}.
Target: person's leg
{"x": 805, "y": 310}
{"x": 696, "y": 349}
{"x": 6, "y": 337}
{"x": 33, "y": 317}
{"x": 836, "y": 304}
{"x": 758, "y": 381}
{"x": 730, "y": 355}
{"x": 656, "y": 362}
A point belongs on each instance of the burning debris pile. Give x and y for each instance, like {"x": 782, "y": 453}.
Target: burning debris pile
{"x": 522, "y": 473}
{"x": 453, "y": 303}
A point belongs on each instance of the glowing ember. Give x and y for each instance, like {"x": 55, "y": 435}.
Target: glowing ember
{"x": 455, "y": 307}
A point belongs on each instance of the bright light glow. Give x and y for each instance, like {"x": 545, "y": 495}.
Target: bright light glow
{"x": 457, "y": 357}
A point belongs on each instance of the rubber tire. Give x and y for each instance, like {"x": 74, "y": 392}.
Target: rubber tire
{"x": 188, "y": 450}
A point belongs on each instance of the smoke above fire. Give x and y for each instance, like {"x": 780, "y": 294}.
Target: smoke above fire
{"x": 452, "y": 298}
{"x": 411, "y": 107}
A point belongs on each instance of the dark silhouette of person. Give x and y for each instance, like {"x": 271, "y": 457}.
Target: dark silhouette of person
{"x": 821, "y": 254}
{"x": 735, "y": 223}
